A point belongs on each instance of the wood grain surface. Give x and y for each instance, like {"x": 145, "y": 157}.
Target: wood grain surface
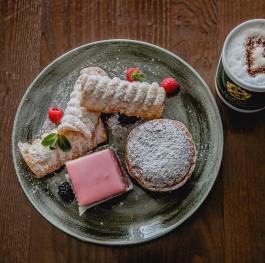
{"x": 230, "y": 225}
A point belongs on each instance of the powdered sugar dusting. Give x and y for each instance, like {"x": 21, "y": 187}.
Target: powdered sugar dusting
{"x": 161, "y": 151}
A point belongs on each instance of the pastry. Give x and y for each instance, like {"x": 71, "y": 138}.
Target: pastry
{"x": 84, "y": 130}
{"x": 141, "y": 99}
{"x": 160, "y": 154}
{"x": 75, "y": 118}
{"x": 97, "y": 177}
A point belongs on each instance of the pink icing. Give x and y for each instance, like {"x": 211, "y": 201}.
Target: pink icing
{"x": 96, "y": 177}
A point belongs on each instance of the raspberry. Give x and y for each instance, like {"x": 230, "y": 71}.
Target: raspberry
{"x": 170, "y": 85}
{"x": 134, "y": 74}
{"x": 55, "y": 114}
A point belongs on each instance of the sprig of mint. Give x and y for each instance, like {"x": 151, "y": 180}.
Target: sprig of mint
{"x": 63, "y": 143}
{"x": 138, "y": 76}
{"x": 54, "y": 139}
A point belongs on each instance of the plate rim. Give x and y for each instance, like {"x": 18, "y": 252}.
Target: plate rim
{"x": 119, "y": 242}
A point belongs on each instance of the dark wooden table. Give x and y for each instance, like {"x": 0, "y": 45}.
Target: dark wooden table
{"x": 230, "y": 225}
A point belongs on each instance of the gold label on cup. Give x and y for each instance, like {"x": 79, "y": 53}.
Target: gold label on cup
{"x": 237, "y": 92}
{"x": 236, "y": 95}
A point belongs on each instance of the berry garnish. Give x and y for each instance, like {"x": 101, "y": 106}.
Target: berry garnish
{"x": 55, "y": 114}
{"x": 133, "y": 74}
{"x": 126, "y": 120}
{"x": 105, "y": 116}
{"x": 170, "y": 85}
{"x": 65, "y": 192}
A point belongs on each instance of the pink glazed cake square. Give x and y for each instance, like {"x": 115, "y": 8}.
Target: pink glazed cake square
{"x": 97, "y": 177}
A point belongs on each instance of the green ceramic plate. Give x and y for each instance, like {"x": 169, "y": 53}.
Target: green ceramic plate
{"x": 140, "y": 215}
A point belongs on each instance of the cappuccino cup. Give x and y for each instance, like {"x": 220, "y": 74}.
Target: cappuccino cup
{"x": 240, "y": 76}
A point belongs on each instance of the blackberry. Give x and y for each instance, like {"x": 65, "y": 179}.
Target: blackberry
{"x": 65, "y": 192}
{"x": 125, "y": 120}
{"x": 105, "y": 116}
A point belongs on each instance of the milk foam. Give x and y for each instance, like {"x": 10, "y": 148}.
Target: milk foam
{"x": 234, "y": 55}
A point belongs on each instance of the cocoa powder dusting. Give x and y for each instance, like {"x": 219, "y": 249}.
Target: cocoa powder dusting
{"x": 252, "y": 43}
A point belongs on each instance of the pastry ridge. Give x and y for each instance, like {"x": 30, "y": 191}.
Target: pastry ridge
{"x": 141, "y": 99}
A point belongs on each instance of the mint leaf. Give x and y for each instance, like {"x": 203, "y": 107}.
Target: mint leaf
{"x": 138, "y": 76}
{"x": 52, "y": 146}
{"x": 135, "y": 75}
{"x": 64, "y": 143}
{"x": 53, "y": 139}
{"x": 141, "y": 77}
{"x": 50, "y": 140}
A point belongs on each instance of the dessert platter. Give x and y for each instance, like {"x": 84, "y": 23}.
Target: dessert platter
{"x": 117, "y": 142}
